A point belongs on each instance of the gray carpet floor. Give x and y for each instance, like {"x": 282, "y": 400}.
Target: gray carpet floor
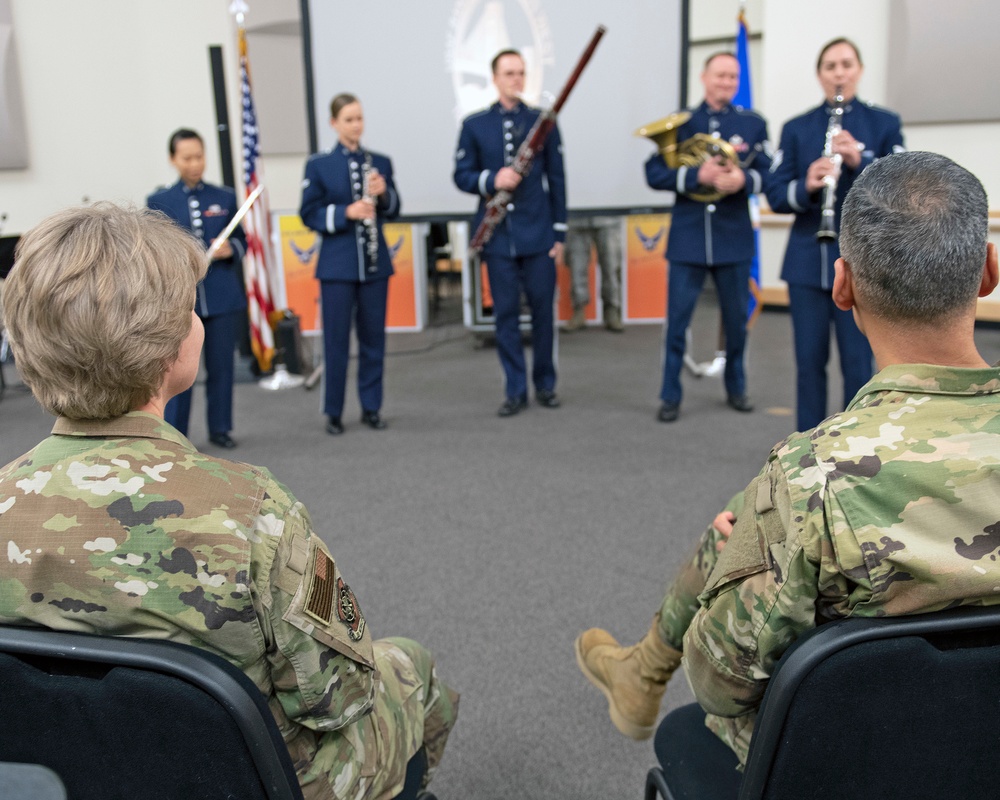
{"x": 496, "y": 541}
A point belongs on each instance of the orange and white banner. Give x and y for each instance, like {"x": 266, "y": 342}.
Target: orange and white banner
{"x": 401, "y": 313}
{"x": 645, "y": 279}
{"x": 299, "y": 250}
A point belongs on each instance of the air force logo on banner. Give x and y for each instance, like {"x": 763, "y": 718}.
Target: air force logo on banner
{"x": 478, "y": 30}
{"x": 649, "y": 242}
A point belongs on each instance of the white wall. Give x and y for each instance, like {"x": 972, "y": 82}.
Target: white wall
{"x": 106, "y": 81}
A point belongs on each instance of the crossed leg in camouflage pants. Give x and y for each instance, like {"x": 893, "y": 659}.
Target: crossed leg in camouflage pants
{"x": 634, "y": 678}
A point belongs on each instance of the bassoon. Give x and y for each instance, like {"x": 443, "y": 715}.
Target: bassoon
{"x": 496, "y": 208}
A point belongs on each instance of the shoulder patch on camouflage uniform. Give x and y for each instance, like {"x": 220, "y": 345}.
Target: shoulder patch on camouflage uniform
{"x": 349, "y": 612}
{"x": 327, "y": 593}
{"x": 319, "y": 593}
{"x": 322, "y": 604}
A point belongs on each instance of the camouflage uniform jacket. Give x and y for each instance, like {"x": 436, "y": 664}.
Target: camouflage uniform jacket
{"x": 121, "y": 527}
{"x": 888, "y": 508}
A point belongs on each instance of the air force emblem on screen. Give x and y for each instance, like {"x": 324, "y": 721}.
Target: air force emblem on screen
{"x": 477, "y": 31}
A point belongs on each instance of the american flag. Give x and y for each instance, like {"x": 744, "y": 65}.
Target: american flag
{"x": 258, "y": 261}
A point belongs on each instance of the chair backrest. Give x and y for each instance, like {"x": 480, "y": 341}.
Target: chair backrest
{"x": 887, "y": 707}
{"x": 30, "y": 782}
{"x": 125, "y": 718}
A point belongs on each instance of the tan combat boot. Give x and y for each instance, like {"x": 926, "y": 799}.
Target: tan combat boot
{"x": 577, "y": 321}
{"x": 632, "y": 678}
{"x": 613, "y": 319}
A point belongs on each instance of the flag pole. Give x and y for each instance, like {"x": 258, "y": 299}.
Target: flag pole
{"x": 258, "y": 264}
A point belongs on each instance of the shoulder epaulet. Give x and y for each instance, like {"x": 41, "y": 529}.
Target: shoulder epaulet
{"x": 747, "y": 111}
{"x": 880, "y": 109}
{"x": 480, "y": 113}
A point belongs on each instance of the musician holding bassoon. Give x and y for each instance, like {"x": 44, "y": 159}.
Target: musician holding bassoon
{"x": 206, "y": 210}
{"x": 714, "y": 157}
{"x": 525, "y": 244}
{"x": 821, "y": 154}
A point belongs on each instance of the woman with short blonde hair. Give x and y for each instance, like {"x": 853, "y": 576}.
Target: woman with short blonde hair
{"x": 116, "y": 525}
{"x": 97, "y": 307}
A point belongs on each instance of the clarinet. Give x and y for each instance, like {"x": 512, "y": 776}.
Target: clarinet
{"x": 371, "y": 225}
{"x": 827, "y": 227}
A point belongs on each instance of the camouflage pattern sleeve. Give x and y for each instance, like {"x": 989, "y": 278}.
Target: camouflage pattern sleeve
{"x": 680, "y": 603}
{"x": 318, "y": 645}
{"x": 760, "y": 597}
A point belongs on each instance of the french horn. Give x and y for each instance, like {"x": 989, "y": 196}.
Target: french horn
{"x": 692, "y": 152}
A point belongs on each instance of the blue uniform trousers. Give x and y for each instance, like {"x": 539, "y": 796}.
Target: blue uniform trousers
{"x": 812, "y": 311}
{"x": 685, "y": 281}
{"x": 221, "y": 331}
{"x": 365, "y": 303}
{"x": 536, "y": 276}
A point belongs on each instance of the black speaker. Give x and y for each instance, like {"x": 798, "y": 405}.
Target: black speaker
{"x": 288, "y": 342}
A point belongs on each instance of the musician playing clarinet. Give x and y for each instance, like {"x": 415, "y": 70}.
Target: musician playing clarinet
{"x": 802, "y": 177}
{"x": 523, "y": 250}
{"x": 346, "y": 194}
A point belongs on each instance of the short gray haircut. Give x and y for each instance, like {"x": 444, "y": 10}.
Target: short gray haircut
{"x": 914, "y": 231}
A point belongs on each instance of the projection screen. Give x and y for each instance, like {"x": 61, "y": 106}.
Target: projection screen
{"x": 419, "y": 67}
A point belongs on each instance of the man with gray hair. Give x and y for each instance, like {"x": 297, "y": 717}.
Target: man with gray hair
{"x": 888, "y": 508}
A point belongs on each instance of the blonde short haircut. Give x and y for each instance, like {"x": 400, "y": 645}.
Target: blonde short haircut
{"x": 97, "y": 305}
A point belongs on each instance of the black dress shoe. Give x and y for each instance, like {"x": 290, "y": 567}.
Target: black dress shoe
{"x": 740, "y": 402}
{"x": 512, "y": 406}
{"x": 669, "y": 412}
{"x": 373, "y": 420}
{"x": 547, "y": 398}
{"x": 334, "y": 426}
{"x": 222, "y": 440}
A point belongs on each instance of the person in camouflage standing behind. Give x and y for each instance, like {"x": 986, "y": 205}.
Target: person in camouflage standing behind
{"x": 117, "y": 525}
{"x": 888, "y": 508}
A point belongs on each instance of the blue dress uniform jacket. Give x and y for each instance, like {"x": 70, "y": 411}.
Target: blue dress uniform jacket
{"x": 205, "y": 210}
{"x": 536, "y": 217}
{"x": 221, "y": 301}
{"x": 334, "y": 180}
{"x": 719, "y": 232}
{"x": 808, "y": 261}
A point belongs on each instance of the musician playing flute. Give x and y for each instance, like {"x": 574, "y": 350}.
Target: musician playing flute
{"x": 799, "y": 180}
{"x": 205, "y": 210}
{"x": 346, "y": 195}
{"x": 521, "y": 254}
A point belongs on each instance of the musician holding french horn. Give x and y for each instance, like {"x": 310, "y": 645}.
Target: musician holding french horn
{"x": 714, "y": 157}
{"x": 821, "y": 154}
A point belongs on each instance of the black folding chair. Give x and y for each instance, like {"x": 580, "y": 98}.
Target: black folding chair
{"x": 121, "y": 718}
{"x": 893, "y": 707}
